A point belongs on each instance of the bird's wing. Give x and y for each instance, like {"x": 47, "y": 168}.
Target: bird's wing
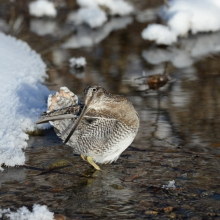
{"x": 94, "y": 131}
{"x": 93, "y": 134}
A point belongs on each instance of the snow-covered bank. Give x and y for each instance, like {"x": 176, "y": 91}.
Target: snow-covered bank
{"x": 183, "y": 16}
{"x": 23, "y": 97}
{"x": 38, "y": 213}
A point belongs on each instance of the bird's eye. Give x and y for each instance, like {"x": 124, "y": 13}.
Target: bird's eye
{"x": 94, "y": 90}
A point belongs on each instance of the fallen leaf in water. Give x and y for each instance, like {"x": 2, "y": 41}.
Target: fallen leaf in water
{"x": 145, "y": 204}
{"x": 151, "y": 212}
{"x": 129, "y": 178}
{"x": 59, "y": 217}
{"x": 56, "y": 190}
{"x": 215, "y": 144}
{"x": 172, "y": 215}
{"x": 157, "y": 81}
{"x": 168, "y": 209}
{"x": 212, "y": 214}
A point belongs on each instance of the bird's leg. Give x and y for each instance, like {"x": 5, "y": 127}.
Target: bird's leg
{"x": 83, "y": 157}
{"x": 90, "y": 160}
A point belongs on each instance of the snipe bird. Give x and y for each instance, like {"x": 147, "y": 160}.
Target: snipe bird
{"x": 100, "y": 129}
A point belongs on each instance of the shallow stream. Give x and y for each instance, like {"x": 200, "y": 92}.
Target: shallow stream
{"x": 179, "y": 135}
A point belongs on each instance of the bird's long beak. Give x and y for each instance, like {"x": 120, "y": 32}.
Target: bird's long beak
{"x": 85, "y": 109}
{"x": 55, "y": 118}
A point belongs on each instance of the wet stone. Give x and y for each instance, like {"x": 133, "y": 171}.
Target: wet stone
{"x": 59, "y": 217}
{"x": 56, "y": 164}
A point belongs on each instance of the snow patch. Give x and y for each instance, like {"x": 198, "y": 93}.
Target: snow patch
{"x": 39, "y": 213}
{"x": 77, "y": 62}
{"x": 94, "y": 17}
{"x": 115, "y": 7}
{"x": 183, "y": 16}
{"x": 92, "y": 12}
{"x": 171, "y": 185}
{"x": 23, "y": 97}
{"x": 42, "y": 8}
{"x": 159, "y": 33}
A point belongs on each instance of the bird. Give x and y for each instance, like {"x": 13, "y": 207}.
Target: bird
{"x": 100, "y": 129}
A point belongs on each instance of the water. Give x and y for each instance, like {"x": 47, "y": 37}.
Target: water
{"x": 178, "y": 137}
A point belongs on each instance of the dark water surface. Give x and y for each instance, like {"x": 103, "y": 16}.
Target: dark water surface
{"x": 179, "y": 135}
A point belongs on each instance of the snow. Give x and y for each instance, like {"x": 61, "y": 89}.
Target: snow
{"x": 92, "y": 13}
{"x": 183, "y": 16}
{"x": 171, "y": 185}
{"x": 23, "y": 97}
{"x": 41, "y": 8}
{"x": 159, "y": 33}
{"x": 115, "y": 7}
{"x": 94, "y": 17}
{"x": 39, "y": 213}
{"x": 77, "y": 62}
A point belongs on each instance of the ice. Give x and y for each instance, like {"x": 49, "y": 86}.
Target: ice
{"x": 183, "y": 16}
{"x": 23, "y": 97}
{"x": 77, "y": 62}
{"x": 41, "y": 8}
{"x": 38, "y": 213}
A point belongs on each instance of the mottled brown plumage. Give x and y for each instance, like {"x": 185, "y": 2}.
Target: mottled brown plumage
{"x": 106, "y": 129}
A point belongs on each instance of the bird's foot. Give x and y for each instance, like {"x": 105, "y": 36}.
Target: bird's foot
{"x": 90, "y": 160}
{"x": 83, "y": 157}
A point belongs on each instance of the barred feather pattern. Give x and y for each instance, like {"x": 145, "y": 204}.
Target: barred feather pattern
{"x": 100, "y": 136}
{"x": 95, "y": 137}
